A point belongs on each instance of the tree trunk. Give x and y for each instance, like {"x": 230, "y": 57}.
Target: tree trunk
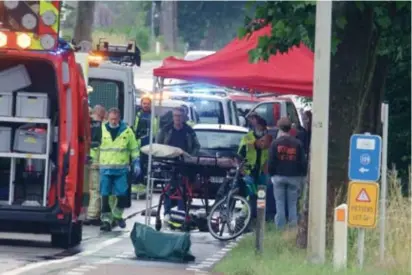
{"x": 84, "y": 21}
{"x": 352, "y": 74}
{"x": 355, "y": 91}
{"x": 168, "y": 24}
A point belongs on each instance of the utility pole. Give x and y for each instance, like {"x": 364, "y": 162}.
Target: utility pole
{"x": 320, "y": 133}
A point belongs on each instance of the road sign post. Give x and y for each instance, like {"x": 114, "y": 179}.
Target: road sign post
{"x": 362, "y": 210}
{"x": 364, "y": 170}
{"x": 365, "y": 157}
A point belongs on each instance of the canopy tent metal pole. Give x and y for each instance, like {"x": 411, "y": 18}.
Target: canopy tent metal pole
{"x": 149, "y": 188}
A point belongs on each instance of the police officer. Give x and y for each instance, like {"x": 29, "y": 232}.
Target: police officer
{"x": 141, "y": 129}
{"x": 118, "y": 146}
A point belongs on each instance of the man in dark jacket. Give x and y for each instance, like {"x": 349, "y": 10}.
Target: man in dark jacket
{"x": 287, "y": 168}
{"x": 177, "y": 134}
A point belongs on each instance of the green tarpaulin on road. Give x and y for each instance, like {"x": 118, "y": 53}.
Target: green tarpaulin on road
{"x": 151, "y": 244}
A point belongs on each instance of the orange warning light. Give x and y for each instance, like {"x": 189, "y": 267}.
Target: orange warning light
{"x": 3, "y": 39}
{"x": 23, "y": 40}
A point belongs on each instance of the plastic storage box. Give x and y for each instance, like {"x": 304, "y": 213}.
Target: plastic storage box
{"x": 27, "y": 141}
{"x": 6, "y": 104}
{"x": 14, "y": 79}
{"x": 5, "y": 139}
{"x": 32, "y": 105}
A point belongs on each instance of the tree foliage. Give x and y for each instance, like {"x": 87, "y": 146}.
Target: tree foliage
{"x": 370, "y": 62}
{"x": 294, "y": 22}
{"x": 213, "y": 21}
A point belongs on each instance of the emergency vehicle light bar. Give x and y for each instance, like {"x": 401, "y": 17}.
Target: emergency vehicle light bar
{"x": 29, "y": 25}
{"x": 128, "y": 54}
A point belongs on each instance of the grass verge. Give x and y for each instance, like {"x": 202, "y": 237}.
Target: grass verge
{"x": 282, "y": 257}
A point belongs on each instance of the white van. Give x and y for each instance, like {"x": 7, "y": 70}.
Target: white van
{"x": 113, "y": 86}
{"x": 161, "y": 108}
{"x": 212, "y": 109}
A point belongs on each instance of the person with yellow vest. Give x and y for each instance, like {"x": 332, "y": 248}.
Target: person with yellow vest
{"x": 254, "y": 147}
{"x": 93, "y": 211}
{"x": 118, "y": 147}
{"x": 141, "y": 129}
{"x": 98, "y": 115}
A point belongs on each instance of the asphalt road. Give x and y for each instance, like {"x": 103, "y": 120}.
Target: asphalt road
{"x": 102, "y": 253}
{"x": 143, "y": 75}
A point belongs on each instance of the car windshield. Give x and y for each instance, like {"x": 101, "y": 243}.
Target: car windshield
{"x": 209, "y": 111}
{"x": 245, "y": 106}
{"x": 219, "y": 139}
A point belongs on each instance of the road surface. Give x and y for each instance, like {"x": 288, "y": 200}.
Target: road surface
{"x": 143, "y": 75}
{"x": 102, "y": 253}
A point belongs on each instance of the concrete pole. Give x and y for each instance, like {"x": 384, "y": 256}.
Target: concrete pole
{"x": 320, "y": 131}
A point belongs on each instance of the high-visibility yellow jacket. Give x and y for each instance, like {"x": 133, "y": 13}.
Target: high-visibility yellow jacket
{"x": 247, "y": 144}
{"x": 115, "y": 155}
{"x": 191, "y": 123}
{"x": 155, "y": 124}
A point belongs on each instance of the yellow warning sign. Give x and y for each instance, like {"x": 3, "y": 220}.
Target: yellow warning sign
{"x": 363, "y": 204}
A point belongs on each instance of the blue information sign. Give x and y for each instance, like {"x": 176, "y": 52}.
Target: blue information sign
{"x": 365, "y": 157}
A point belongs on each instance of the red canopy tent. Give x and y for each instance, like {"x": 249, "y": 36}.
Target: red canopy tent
{"x": 288, "y": 73}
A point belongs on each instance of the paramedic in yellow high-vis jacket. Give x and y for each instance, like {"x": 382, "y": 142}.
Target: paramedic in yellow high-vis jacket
{"x": 118, "y": 149}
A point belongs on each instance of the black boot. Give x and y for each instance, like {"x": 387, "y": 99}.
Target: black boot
{"x": 106, "y": 226}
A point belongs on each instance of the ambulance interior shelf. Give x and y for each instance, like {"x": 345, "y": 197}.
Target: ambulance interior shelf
{"x": 28, "y": 101}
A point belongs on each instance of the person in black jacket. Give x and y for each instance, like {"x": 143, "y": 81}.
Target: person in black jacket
{"x": 177, "y": 134}
{"x": 287, "y": 168}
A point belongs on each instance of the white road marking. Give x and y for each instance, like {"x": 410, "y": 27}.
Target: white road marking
{"x": 103, "y": 245}
{"x": 74, "y": 273}
{"x": 32, "y": 266}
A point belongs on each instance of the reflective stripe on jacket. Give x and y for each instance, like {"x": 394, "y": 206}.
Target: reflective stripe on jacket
{"x": 116, "y": 154}
{"x": 248, "y": 142}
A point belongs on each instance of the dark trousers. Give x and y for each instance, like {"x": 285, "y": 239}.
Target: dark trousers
{"x": 144, "y": 160}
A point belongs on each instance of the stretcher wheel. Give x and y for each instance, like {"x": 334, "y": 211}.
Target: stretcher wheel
{"x": 158, "y": 225}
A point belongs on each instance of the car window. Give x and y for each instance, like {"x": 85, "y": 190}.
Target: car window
{"x": 245, "y": 106}
{"x": 292, "y": 113}
{"x": 210, "y": 111}
{"x": 218, "y": 139}
{"x": 230, "y": 111}
{"x": 276, "y": 113}
{"x": 265, "y": 110}
{"x": 237, "y": 114}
